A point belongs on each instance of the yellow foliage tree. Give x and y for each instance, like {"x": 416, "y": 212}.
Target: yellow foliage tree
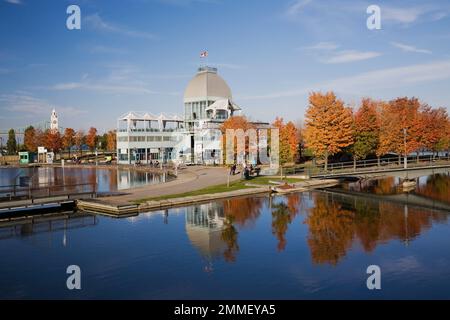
{"x": 328, "y": 125}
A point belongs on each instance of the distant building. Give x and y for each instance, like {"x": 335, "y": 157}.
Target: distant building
{"x": 193, "y": 138}
{"x": 54, "y": 121}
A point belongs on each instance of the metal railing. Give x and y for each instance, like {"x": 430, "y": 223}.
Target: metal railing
{"x": 366, "y": 165}
{"x": 15, "y": 192}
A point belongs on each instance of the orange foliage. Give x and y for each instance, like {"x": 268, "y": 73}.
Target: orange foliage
{"x": 91, "y": 138}
{"x": 68, "y": 138}
{"x": 289, "y": 140}
{"x": 53, "y": 140}
{"x": 328, "y": 125}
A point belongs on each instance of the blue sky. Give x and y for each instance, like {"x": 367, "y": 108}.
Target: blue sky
{"x": 140, "y": 54}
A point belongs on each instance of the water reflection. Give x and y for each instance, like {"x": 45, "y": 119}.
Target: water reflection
{"x": 283, "y": 213}
{"x": 213, "y": 228}
{"x": 107, "y": 179}
{"x": 24, "y": 227}
{"x": 337, "y": 223}
{"x": 296, "y": 246}
{"x": 436, "y": 187}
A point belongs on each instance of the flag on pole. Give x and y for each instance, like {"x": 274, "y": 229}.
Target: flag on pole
{"x": 204, "y": 54}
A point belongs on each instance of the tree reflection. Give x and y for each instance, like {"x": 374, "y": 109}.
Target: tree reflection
{"x": 244, "y": 212}
{"x": 282, "y": 216}
{"x": 337, "y": 222}
{"x": 437, "y": 187}
{"x": 330, "y": 231}
{"x": 382, "y": 186}
{"x": 230, "y": 236}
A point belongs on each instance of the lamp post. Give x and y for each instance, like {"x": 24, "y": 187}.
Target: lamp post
{"x": 406, "y": 155}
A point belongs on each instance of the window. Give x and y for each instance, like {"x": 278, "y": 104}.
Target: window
{"x": 122, "y": 139}
{"x": 137, "y": 139}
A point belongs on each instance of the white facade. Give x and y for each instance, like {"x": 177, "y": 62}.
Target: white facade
{"x": 193, "y": 138}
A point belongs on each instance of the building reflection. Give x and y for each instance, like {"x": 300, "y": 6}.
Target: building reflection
{"x": 337, "y": 223}
{"x": 213, "y": 228}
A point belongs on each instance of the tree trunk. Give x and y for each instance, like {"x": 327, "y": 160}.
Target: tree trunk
{"x": 379, "y": 160}
{"x": 354, "y": 163}
{"x": 418, "y": 157}
{"x": 399, "y": 159}
{"x": 326, "y": 160}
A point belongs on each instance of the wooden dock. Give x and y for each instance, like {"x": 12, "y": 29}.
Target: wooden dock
{"x": 101, "y": 206}
{"x": 18, "y": 198}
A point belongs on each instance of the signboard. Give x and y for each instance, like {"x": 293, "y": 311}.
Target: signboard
{"x": 42, "y": 150}
{"x": 154, "y": 150}
{"x": 50, "y": 157}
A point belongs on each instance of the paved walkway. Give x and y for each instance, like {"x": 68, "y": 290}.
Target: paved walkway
{"x": 189, "y": 179}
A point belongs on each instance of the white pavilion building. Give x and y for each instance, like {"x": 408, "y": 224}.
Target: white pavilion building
{"x": 193, "y": 139}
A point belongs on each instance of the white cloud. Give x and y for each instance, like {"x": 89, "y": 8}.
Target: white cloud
{"x": 409, "y": 15}
{"x": 367, "y": 82}
{"x": 14, "y": 1}
{"x": 408, "y": 48}
{"x": 393, "y": 77}
{"x": 29, "y": 106}
{"x": 351, "y": 56}
{"x": 323, "y": 46}
{"x": 296, "y": 7}
{"x": 103, "y": 87}
{"x": 402, "y": 15}
{"x": 96, "y": 22}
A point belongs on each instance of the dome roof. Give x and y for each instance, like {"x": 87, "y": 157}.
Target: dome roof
{"x": 207, "y": 84}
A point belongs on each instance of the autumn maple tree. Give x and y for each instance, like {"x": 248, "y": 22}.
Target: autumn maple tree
{"x": 328, "y": 125}
{"x": 235, "y": 123}
{"x": 79, "y": 140}
{"x": 366, "y": 129}
{"x": 289, "y": 140}
{"x": 91, "y": 138}
{"x": 68, "y": 139}
{"x": 400, "y": 127}
{"x": 52, "y": 140}
{"x": 111, "y": 140}
{"x": 433, "y": 123}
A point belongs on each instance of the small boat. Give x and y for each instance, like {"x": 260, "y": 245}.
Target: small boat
{"x": 407, "y": 184}
{"x": 286, "y": 189}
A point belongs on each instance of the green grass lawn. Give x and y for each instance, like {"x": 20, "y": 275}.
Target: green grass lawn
{"x": 237, "y": 185}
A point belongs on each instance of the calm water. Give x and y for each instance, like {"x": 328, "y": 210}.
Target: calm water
{"x": 436, "y": 187}
{"x": 311, "y": 245}
{"x": 111, "y": 179}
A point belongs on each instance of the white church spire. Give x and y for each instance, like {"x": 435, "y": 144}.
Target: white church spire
{"x": 54, "y": 121}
